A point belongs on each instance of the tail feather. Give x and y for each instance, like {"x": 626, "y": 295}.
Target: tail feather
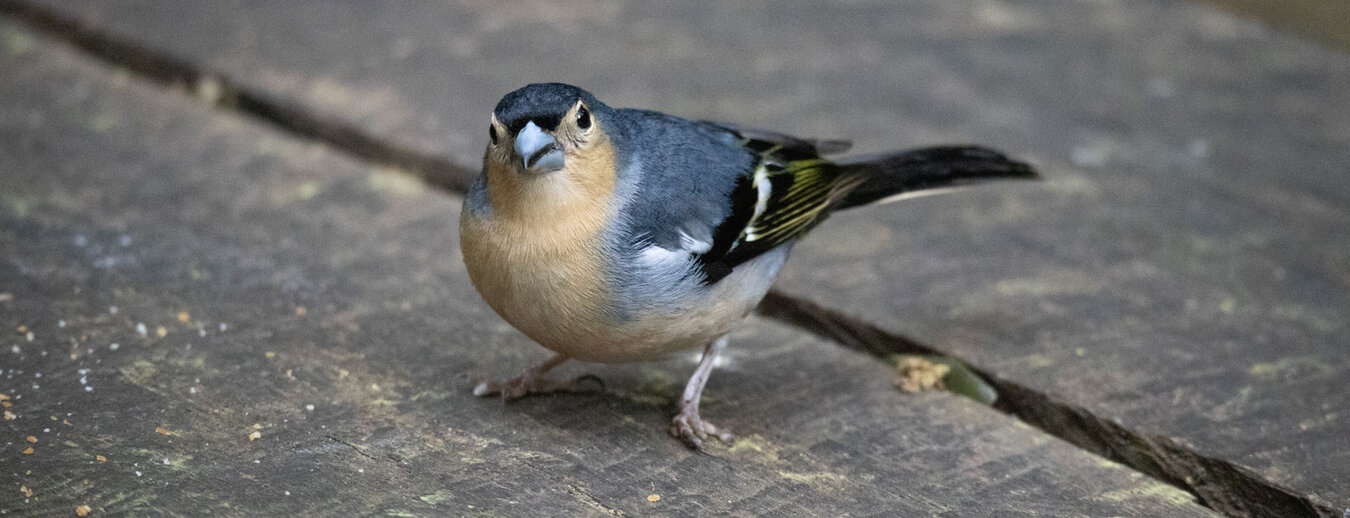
{"x": 893, "y": 176}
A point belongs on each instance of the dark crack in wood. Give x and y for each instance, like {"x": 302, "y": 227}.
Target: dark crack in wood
{"x": 359, "y": 450}
{"x": 218, "y": 89}
{"x": 1216, "y": 483}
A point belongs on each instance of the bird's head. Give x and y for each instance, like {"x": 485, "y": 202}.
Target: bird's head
{"x": 549, "y": 161}
{"x": 544, "y": 128}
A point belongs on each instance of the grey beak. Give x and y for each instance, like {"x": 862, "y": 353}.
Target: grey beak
{"x": 538, "y": 151}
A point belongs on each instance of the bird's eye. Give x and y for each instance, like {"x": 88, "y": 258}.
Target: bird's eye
{"x": 583, "y": 118}
{"x": 492, "y": 132}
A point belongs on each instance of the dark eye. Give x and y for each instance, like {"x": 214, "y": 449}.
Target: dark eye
{"x": 492, "y": 132}
{"x": 583, "y": 118}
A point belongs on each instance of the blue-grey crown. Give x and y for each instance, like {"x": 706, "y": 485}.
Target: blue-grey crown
{"x": 543, "y": 103}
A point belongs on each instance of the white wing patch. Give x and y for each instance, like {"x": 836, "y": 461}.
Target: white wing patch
{"x": 660, "y": 257}
{"x": 693, "y": 245}
{"x": 657, "y": 257}
{"x": 763, "y": 190}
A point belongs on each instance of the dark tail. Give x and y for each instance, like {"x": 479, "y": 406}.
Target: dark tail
{"x": 890, "y": 175}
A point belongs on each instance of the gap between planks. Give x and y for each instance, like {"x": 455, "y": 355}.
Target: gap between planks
{"x": 1216, "y": 483}
{"x": 219, "y": 91}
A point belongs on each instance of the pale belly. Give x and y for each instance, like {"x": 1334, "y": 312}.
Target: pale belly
{"x": 561, "y": 299}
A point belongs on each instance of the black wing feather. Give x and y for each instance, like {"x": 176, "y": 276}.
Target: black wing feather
{"x": 790, "y": 189}
{"x": 797, "y": 186}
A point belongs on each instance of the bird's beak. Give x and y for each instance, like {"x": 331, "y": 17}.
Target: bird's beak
{"x": 538, "y": 151}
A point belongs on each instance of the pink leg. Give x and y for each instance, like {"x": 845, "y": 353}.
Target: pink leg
{"x": 529, "y": 382}
{"x": 687, "y": 425}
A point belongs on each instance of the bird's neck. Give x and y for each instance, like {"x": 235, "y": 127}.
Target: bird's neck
{"x": 564, "y": 208}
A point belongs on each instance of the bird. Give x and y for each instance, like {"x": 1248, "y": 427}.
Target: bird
{"x": 617, "y": 235}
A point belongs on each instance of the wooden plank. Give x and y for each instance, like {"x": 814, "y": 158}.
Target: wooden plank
{"x": 1183, "y": 274}
{"x": 296, "y": 335}
{"x": 1320, "y": 21}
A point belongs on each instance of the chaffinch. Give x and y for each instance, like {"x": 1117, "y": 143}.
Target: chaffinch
{"x": 622, "y": 235}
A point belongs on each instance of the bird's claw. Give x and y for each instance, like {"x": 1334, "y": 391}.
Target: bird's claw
{"x": 516, "y": 387}
{"x": 529, "y": 382}
{"x": 690, "y": 428}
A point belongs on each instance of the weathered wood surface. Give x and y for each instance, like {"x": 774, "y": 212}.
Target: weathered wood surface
{"x": 1183, "y": 274}
{"x": 1321, "y": 21}
{"x": 256, "y": 284}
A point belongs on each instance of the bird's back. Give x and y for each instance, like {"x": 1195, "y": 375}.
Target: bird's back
{"x": 677, "y": 176}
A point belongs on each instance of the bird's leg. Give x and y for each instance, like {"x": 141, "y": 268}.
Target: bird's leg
{"x": 529, "y": 382}
{"x": 687, "y": 425}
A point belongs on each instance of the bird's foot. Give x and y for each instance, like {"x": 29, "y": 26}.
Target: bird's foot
{"x": 690, "y": 428}
{"x": 529, "y": 382}
{"x": 518, "y": 387}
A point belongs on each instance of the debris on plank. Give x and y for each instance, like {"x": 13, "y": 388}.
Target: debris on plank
{"x": 918, "y": 374}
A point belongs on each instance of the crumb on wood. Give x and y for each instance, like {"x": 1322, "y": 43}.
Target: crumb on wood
{"x": 162, "y": 431}
{"x": 653, "y": 498}
{"x": 9, "y": 416}
{"x": 31, "y": 438}
{"x": 100, "y": 458}
{"x": 82, "y": 510}
{"x": 255, "y": 435}
{"x": 917, "y": 374}
{"x": 183, "y": 317}
{"x": 27, "y": 493}
{"x": 29, "y": 451}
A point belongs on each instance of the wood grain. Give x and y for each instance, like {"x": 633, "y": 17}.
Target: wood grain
{"x": 295, "y": 334}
